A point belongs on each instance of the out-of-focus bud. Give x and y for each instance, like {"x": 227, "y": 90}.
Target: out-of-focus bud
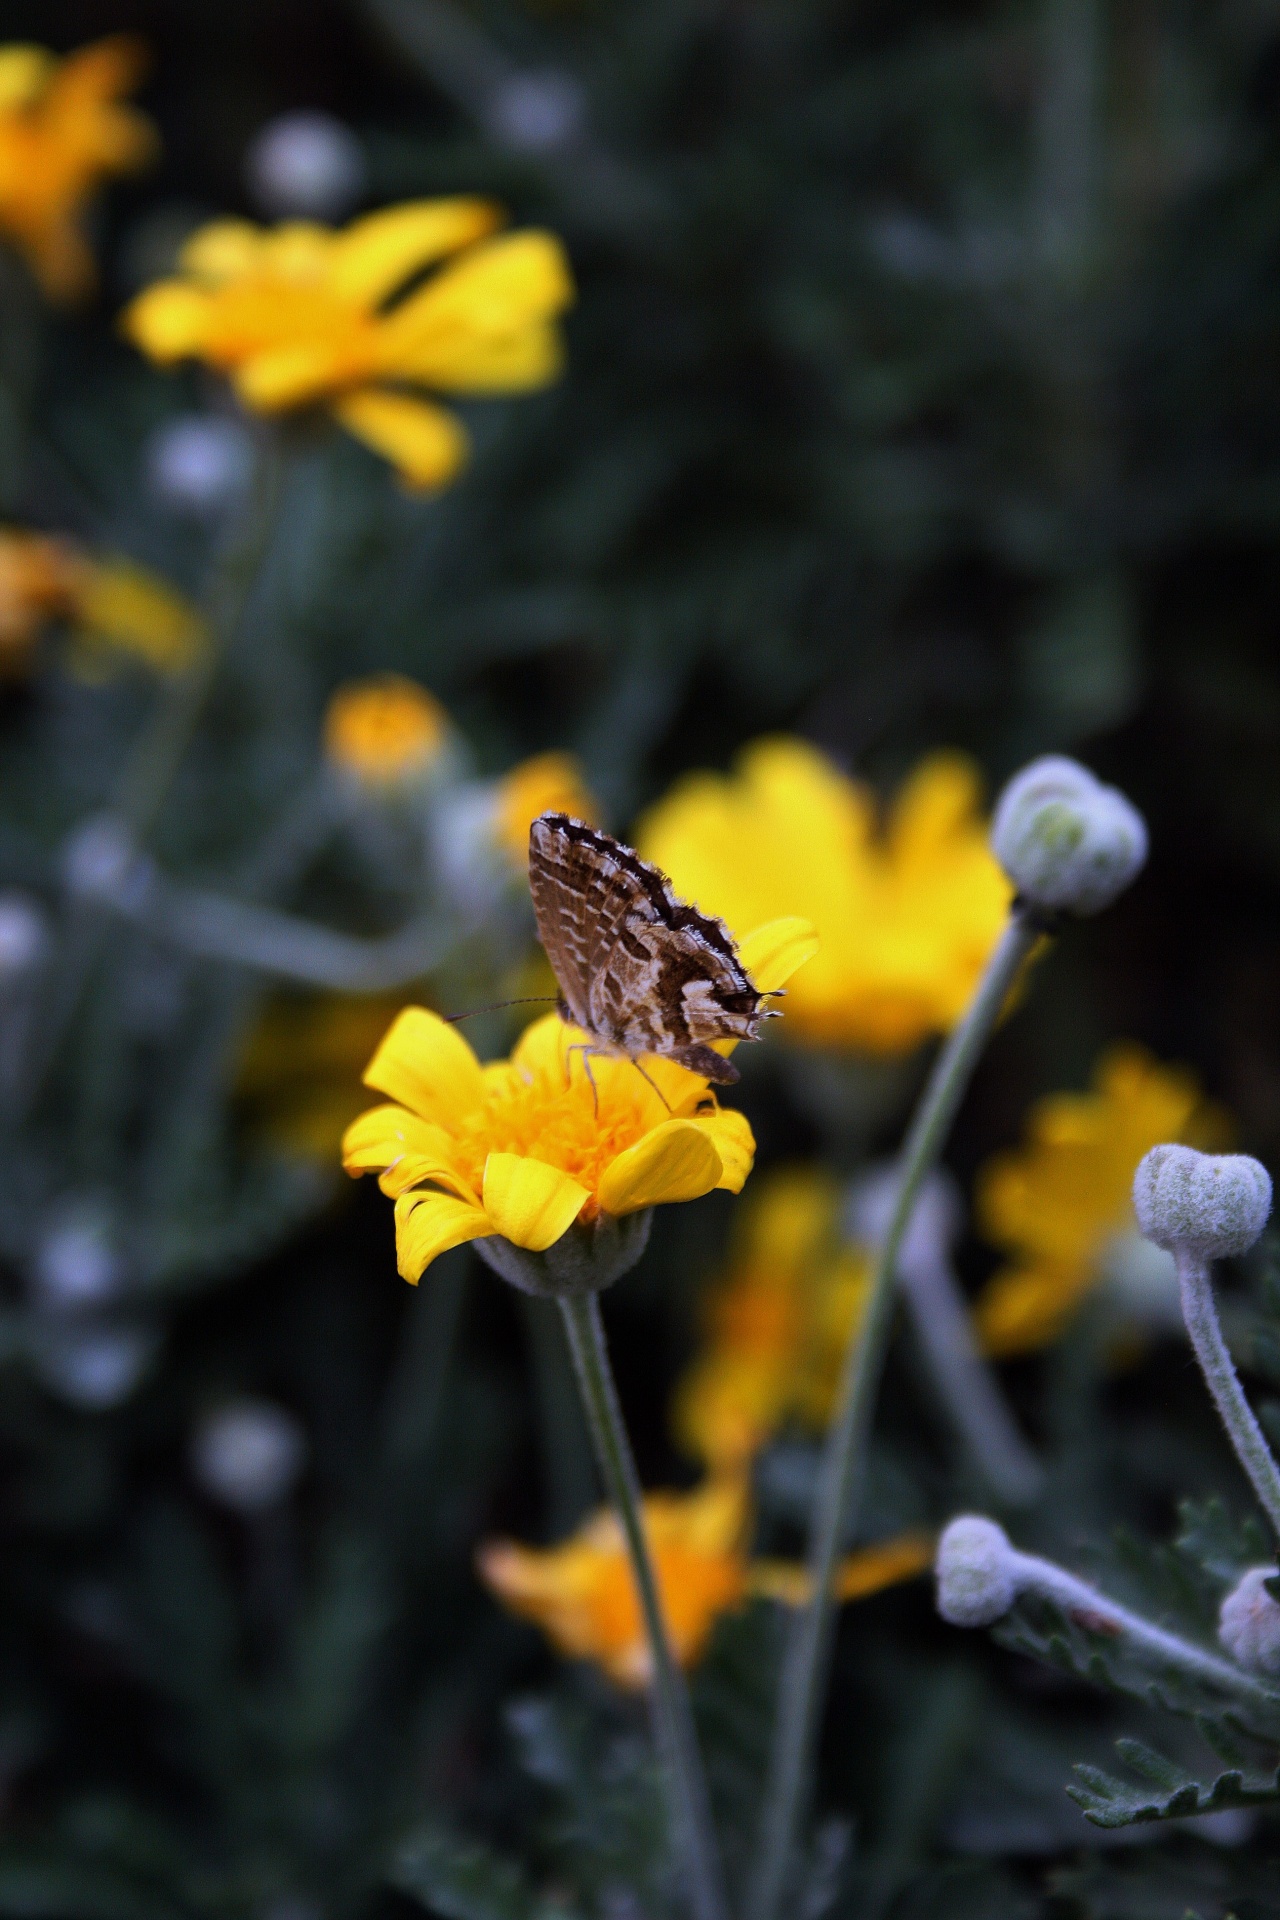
{"x": 306, "y": 166}
{"x": 539, "y": 111}
{"x": 77, "y": 1264}
{"x": 199, "y": 464}
{"x": 1141, "y": 1282}
{"x": 936, "y": 1217}
{"x": 1210, "y": 1204}
{"x": 101, "y": 862}
{"x": 92, "y": 1366}
{"x": 1068, "y": 843}
{"x": 1249, "y": 1622}
{"x": 24, "y": 937}
{"x": 975, "y": 1572}
{"x": 249, "y": 1455}
{"x": 386, "y": 735}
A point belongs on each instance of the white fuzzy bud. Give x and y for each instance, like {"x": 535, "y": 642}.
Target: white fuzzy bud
{"x": 975, "y": 1572}
{"x": 76, "y": 1265}
{"x": 1067, "y": 842}
{"x": 199, "y": 464}
{"x": 92, "y": 1367}
{"x": 306, "y": 165}
{"x": 101, "y": 862}
{"x": 249, "y": 1455}
{"x": 539, "y": 111}
{"x": 1249, "y": 1622}
{"x": 1211, "y": 1204}
{"x": 24, "y": 936}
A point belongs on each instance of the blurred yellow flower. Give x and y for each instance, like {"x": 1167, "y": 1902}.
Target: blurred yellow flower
{"x": 112, "y": 606}
{"x": 386, "y": 731}
{"x": 522, "y": 1148}
{"x": 907, "y": 911}
{"x": 1059, "y": 1204}
{"x": 298, "y": 1079}
{"x": 582, "y": 1593}
{"x": 63, "y": 130}
{"x": 300, "y": 315}
{"x": 548, "y": 783}
{"x": 776, "y": 1328}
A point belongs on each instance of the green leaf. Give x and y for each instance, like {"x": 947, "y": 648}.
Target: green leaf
{"x": 1111, "y": 1802}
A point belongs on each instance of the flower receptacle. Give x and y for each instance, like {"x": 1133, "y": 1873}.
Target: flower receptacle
{"x": 586, "y": 1259}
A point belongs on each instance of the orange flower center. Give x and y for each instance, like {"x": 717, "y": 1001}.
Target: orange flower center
{"x": 554, "y": 1120}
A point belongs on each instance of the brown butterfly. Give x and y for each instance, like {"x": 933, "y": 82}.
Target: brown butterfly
{"x": 638, "y": 970}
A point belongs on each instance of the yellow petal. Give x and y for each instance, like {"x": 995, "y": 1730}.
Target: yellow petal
{"x": 223, "y": 250}
{"x": 541, "y": 1047}
{"x": 375, "y": 255}
{"x": 424, "y": 443}
{"x": 137, "y": 613}
{"x": 735, "y": 1143}
{"x": 528, "y": 1202}
{"x": 495, "y": 291}
{"x": 25, "y": 72}
{"x": 168, "y": 321}
{"x": 773, "y": 952}
{"x": 869, "y": 1570}
{"x": 293, "y": 375}
{"x": 404, "y": 1152}
{"x": 679, "y": 1160}
{"x": 428, "y": 1224}
{"x": 514, "y": 363}
{"x": 428, "y": 1066}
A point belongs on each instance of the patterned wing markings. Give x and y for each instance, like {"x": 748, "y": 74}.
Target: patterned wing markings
{"x": 638, "y": 969}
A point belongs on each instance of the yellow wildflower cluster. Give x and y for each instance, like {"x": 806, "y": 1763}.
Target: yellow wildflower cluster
{"x": 112, "y": 606}
{"x": 1059, "y": 1204}
{"x": 907, "y": 910}
{"x": 582, "y": 1593}
{"x": 63, "y": 130}
{"x": 384, "y": 732}
{"x": 777, "y": 1327}
{"x": 303, "y": 316}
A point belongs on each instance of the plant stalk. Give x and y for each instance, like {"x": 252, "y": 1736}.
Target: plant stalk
{"x": 1201, "y": 1315}
{"x": 808, "y": 1655}
{"x": 688, "y": 1805}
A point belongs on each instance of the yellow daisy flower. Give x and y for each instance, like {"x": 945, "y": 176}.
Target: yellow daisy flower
{"x": 63, "y": 130}
{"x": 582, "y": 1593}
{"x": 1060, "y": 1204}
{"x": 548, "y": 783}
{"x": 776, "y": 1328}
{"x": 384, "y": 732}
{"x": 907, "y": 910}
{"x": 521, "y": 1149}
{"x": 302, "y": 316}
{"x": 112, "y": 606}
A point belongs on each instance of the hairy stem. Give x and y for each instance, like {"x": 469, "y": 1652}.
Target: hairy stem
{"x": 1218, "y": 1368}
{"x": 808, "y": 1656}
{"x": 689, "y": 1808}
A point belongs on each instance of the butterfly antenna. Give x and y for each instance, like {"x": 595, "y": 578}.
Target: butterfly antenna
{"x": 527, "y": 1000}
{"x": 653, "y": 1083}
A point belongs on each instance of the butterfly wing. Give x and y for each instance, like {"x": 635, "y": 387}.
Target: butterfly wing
{"x": 638, "y": 969}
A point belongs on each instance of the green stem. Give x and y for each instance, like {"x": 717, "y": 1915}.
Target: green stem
{"x": 808, "y": 1654}
{"x": 689, "y": 1809}
{"x": 1246, "y": 1436}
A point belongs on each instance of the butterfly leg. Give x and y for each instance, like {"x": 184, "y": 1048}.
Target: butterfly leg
{"x": 586, "y": 1050}
{"x": 653, "y": 1083}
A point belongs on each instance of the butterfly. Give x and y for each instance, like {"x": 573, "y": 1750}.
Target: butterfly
{"x": 638, "y": 970}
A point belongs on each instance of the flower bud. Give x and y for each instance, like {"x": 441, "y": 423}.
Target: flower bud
{"x": 76, "y": 1265}
{"x": 199, "y": 464}
{"x": 1067, "y": 842}
{"x": 1249, "y": 1622}
{"x": 975, "y": 1573}
{"x": 538, "y": 111}
{"x": 24, "y": 937}
{"x": 1211, "y": 1204}
{"x": 92, "y": 1365}
{"x": 248, "y": 1455}
{"x": 306, "y": 165}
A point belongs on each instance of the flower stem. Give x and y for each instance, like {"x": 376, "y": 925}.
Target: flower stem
{"x": 1218, "y": 1368}
{"x": 808, "y": 1653}
{"x": 689, "y": 1809}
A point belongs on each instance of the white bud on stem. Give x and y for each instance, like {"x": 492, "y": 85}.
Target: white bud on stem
{"x": 1210, "y": 1204}
{"x": 1068, "y": 843}
{"x": 975, "y": 1572}
{"x": 1249, "y": 1622}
